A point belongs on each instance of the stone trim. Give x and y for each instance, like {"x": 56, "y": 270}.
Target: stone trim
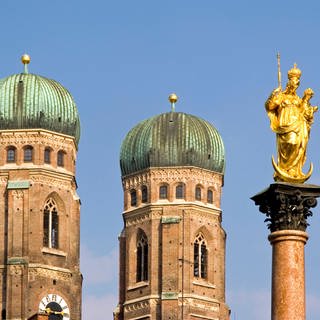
{"x": 169, "y": 296}
{"x": 288, "y": 235}
{"x": 203, "y": 284}
{"x": 17, "y": 261}
{"x": 170, "y": 220}
{"x": 49, "y": 273}
{"x": 53, "y": 251}
{"x": 49, "y": 267}
{"x": 18, "y": 184}
{"x": 197, "y": 297}
{"x": 202, "y": 317}
{"x": 138, "y": 285}
{"x": 142, "y": 317}
{"x": 183, "y": 174}
{"x": 149, "y": 297}
{"x": 36, "y": 136}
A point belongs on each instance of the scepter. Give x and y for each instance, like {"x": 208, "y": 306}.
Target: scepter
{"x": 279, "y": 71}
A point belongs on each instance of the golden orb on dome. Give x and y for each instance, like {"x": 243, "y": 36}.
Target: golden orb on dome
{"x": 25, "y": 59}
{"x": 173, "y": 98}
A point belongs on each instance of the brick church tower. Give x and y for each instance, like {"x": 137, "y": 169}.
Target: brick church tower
{"x": 172, "y": 247}
{"x": 39, "y": 205}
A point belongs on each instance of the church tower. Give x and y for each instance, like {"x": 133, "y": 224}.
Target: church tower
{"x": 39, "y": 205}
{"x": 172, "y": 247}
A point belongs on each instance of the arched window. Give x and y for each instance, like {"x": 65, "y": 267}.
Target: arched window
{"x": 47, "y": 155}
{"x": 163, "y": 192}
{"x": 210, "y": 196}
{"x": 200, "y": 255}
{"x": 198, "y": 193}
{"x": 11, "y": 154}
{"x": 27, "y": 154}
{"x": 142, "y": 257}
{"x": 50, "y": 225}
{"x": 60, "y": 158}
{"x": 144, "y": 194}
{"x": 133, "y": 195}
{"x": 180, "y": 191}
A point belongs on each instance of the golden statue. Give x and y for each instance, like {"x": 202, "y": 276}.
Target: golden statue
{"x": 291, "y": 118}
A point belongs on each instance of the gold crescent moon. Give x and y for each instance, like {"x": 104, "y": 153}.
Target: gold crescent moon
{"x": 287, "y": 178}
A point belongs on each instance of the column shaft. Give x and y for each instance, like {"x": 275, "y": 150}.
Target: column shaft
{"x": 288, "y": 282}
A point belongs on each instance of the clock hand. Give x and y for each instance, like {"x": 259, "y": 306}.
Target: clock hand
{"x": 48, "y": 310}
{"x": 58, "y": 312}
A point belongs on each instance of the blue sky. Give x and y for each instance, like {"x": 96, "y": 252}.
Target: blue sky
{"x": 121, "y": 59}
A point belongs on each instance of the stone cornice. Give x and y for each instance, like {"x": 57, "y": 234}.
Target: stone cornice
{"x": 46, "y": 177}
{"x": 36, "y": 136}
{"x": 173, "y": 174}
{"x": 185, "y": 205}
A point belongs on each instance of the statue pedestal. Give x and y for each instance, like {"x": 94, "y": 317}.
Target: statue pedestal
{"x": 287, "y": 207}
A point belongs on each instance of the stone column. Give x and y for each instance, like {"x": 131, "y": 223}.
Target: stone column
{"x": 287, "y": 207}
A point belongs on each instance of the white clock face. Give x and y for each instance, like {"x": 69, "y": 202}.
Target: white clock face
{"x": 55, "y": 306}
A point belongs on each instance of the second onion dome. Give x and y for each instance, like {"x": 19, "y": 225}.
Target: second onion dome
{"x": 172, "y": 139}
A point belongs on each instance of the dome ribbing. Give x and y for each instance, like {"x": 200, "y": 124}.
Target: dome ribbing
{"x": 172, "y": 139}
{"x": 29, "y": 101}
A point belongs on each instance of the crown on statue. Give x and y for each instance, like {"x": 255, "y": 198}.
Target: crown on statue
{"x": 294, "y": 72}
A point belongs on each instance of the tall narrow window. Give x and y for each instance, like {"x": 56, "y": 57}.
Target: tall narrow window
{"x": 163, "y": 192}
{"x": 210, "y": 196}
{"x": 27, "y": 154}
{"x": 142, "y": 257}
{"x": 144, "y": 194}
{"x": 60, "y": 158}
{"x": 47, "y": 155}
{"x": 50, "y": 225}
{"x": 180, "y": 191}
{"x": 133, "y": 196}
{"x": 200, "y": 256}
{"x": 198, "y": 193}
{"x": 11, "y": 154}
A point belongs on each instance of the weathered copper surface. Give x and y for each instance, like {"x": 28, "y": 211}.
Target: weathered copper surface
{"x": 31, "y": 101}
{"x": 172, "y": 139}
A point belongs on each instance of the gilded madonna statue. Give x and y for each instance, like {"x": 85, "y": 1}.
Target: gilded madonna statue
{"x": 291, "y": 118}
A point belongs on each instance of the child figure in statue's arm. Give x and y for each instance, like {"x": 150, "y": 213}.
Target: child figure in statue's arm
{"x": 308, "y": 110}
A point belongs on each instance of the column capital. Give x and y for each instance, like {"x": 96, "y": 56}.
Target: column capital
{"x": 287, "y": 205}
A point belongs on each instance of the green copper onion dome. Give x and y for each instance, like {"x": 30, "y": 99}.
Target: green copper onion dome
{"x": 29, "y": 101}
{"x": 172, "y": 139}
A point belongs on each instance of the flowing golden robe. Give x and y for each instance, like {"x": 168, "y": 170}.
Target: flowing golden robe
{"x": 287, "y": 114}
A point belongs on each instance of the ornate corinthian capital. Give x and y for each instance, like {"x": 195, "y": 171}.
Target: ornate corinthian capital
{"x": 287, "y": 206}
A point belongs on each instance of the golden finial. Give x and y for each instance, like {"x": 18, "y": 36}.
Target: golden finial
{"x": 173, "y": 98}
{"x": 25, "y": 59}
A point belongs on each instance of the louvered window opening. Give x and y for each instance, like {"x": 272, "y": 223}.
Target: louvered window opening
{"x": 144, "y": 194}
{"x": 200, "y": 257}
{"x": 142, "y": 258}
{"x": 50, "y": 225}
{"x": 133, "y": 196}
